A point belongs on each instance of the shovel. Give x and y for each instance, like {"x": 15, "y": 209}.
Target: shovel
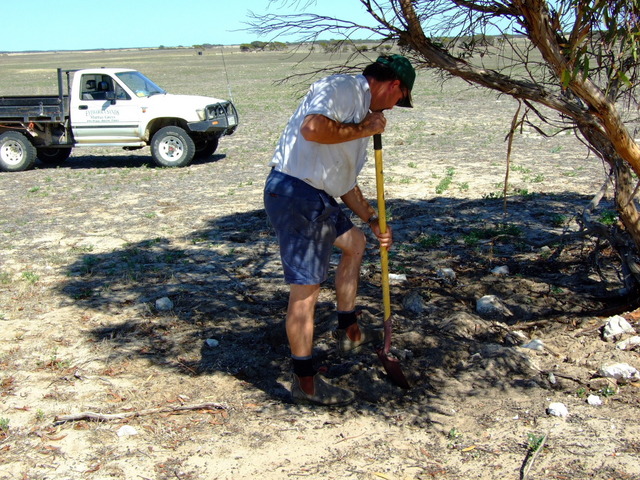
{"x": 391, "y": 364}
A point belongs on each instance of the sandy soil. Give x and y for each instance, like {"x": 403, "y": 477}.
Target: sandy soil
{"x": 87, "y": 249}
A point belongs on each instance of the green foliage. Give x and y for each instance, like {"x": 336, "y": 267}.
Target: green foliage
{"x": 534, "y": 442}
{"x": 607, "y": 391}
{"x": 607, "y": 44}
{"x": 556, "y": 290}
{"x": 30, "y": 277}
{"x": 261, "y": 46}
{"x": 258, "y": 45}
{"x": 429, "y": 241}
{"x": 493, "y": 195}
{"x": 608, "y": 217}
{"x": 445, "y": 183}
{"x": 332, "y": 46}
{"x": 558, "y": 220}
{"x": 500, "y": 230}
{"x": 277, "y": 46}
{"x": 520, "y": 169}
{"x": 4, "y": 425}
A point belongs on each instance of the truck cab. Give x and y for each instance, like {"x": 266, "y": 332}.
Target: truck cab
{"x": 117, "y": 107}
{"x": 122, "y": 107}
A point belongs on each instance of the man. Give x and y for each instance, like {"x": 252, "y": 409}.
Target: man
{"x": 319, "y": 156}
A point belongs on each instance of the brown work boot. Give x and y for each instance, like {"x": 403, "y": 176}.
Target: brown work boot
{"x": 352, "y": 339}
{"x": 321, "y": 391}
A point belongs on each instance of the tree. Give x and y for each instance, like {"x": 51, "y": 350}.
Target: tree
{"x": 258, "y": 45}
{"x": 579, "y": 58}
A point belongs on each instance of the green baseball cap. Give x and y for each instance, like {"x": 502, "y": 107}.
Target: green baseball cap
{"x": 405, "y": 72}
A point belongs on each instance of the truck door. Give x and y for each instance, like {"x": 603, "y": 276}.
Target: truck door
{"x": 105, "y": 113}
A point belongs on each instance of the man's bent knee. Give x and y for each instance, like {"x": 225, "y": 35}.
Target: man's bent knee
{"x": 352, "y": 242}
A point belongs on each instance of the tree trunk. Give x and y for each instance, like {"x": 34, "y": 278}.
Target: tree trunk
{"x": 595, "y": 116}
{"x": 625, "y": 187}
{"x": 626, "y": 190}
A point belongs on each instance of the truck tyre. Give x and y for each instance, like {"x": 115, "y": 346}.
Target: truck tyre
{"x": 205, "y": 145}
{"x": 16, "y": 152}
{"x": 53, "y": 155}
{"x": 172, "y": 147}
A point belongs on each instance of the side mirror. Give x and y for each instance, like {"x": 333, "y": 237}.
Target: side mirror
{"x": 111, "y": 96}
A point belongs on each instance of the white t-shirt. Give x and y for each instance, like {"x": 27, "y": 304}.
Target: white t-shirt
{"x": 333, "y": 168}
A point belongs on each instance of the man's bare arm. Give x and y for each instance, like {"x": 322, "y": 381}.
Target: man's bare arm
{"x": 321, "y": 129}
{"x": 354, "y": 199}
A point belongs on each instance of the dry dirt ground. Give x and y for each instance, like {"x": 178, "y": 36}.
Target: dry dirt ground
{"x": 87, "y": 249}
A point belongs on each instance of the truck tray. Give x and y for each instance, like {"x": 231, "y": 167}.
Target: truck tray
{"x": 31, "y": 108}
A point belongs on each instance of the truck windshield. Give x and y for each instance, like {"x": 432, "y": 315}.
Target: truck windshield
{"x": 140, "y": 85}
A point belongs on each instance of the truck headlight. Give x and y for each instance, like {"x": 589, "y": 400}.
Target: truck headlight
{"x": 202, "y": 115}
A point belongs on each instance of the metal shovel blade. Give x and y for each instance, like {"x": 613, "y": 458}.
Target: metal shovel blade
{"x": 391, "y": 364}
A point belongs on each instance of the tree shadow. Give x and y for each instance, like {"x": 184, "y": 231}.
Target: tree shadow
{"x": 229, "y": 298}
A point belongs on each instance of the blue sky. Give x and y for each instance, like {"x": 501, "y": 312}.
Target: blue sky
{"x": 86, "y": 24}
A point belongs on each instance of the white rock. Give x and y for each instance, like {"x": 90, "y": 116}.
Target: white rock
{"x": 447, "y": 274}
{"x": 615, "y": 326}
{"x": 414, "y": 302}
{"x": 535, "y": 344}
{"x": 127, "y": 431}
{"x": 397, "y": 278}
{"x": 516, "y": 337}
{"x": 594, "y": 400}
{"x": 628, "y": 343}
{"x": 490, "y": 305}
{"x": 619, "y": 371}
{"x": 164, "y": 304}
{"x": 557, "y": 409}
{"x": 501, "y": 270}
{"x": 212, "y": 342}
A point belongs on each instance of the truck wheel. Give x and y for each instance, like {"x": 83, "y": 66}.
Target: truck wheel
{"x": 53, "y": 155}
{"x": 205, "y": 145}
{"x": 16, "y": 152}
{"x": 172, "y": 147}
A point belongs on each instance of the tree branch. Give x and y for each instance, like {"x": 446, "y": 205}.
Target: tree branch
{"x": 104, "y": 417}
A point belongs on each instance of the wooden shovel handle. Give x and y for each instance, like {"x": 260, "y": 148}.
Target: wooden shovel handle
{"x": 382, "y": 221}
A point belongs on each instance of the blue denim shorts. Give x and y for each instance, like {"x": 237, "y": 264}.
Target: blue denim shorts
{"x": 307, "y": 222}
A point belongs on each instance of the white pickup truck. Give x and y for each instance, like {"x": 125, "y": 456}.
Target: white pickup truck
{"x": 117, "y": 107}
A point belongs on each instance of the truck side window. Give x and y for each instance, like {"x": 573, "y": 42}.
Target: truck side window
{"x": 121, "y": 94}
{"x": 90, "y": 87}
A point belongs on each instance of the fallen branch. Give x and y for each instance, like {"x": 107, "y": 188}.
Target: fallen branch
{"x": 562, "y": 375}
{"x": 105, "y": 417}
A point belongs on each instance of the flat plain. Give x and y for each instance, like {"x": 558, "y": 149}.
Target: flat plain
{"x": 87, "y": 248}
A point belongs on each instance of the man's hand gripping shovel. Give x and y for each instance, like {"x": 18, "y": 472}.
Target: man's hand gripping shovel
{"x": 390, "y": 363}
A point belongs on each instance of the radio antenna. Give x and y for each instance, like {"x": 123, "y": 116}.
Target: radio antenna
{"x": 226, "y": 74}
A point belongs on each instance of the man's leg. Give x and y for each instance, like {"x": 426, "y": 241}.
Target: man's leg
{"x": 300, "y": 315}
{"x": 300, "y": 326}
{"x": 352, "y": 243}
{"x": 350, "y": 336}
{"x": 306, "y": 385}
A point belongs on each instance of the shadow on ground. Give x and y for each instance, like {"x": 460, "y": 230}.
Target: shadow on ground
{"x": 225, "y": 284}
{"x": 76, "y": 162}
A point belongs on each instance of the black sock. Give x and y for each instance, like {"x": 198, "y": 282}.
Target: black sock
{"x": 303, "y": 367}
{"x": 346, "y": 319}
